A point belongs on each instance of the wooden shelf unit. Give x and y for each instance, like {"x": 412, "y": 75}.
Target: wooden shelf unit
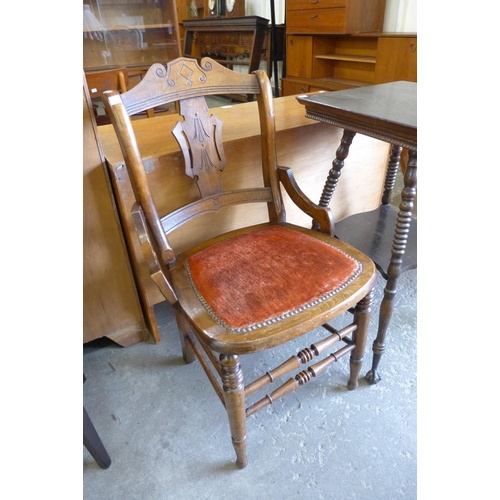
{"x": 337, "y": 62}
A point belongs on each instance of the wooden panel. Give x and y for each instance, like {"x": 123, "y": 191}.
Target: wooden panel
{"x": 308, "y": 147}
{"x": 290, "y": 87}
{"x": 110, "y": 301}
{"x": 299, "y": 56}
{"x": 396, "y": 60}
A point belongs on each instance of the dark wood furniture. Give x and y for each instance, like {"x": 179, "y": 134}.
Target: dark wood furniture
{"x": 98, "y": 82}
{"x": 253, "y": 288}
{"x": 387, "y": 112}
{"x": 304, "y": 145}
{"x": 229, "y": 41}
{"x": 93, "y": 442}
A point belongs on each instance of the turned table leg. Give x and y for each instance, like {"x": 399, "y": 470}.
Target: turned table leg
{"x": 394, "y": 270}
{"x": 334, "y": 173}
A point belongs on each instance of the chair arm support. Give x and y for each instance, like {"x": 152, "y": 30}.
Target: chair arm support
{"x": 322, "y": 215}
{"x": 157, "y": 269}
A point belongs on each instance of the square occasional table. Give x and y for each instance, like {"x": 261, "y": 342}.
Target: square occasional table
{"x": 387, "y": 112}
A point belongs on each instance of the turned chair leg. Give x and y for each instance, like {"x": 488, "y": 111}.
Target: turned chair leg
{"x": 234, "y": 396}
{"x": 362, "y": 315}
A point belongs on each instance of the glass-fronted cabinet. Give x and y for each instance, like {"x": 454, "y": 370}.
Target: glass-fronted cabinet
{"x": 129, "y": 33}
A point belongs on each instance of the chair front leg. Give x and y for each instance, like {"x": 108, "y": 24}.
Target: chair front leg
{"x": 234, "y": 396}
{"x": 362, "y": 315}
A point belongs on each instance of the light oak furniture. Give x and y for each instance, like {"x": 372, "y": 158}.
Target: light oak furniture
{"x": 334, "y": 16}
{"x": 255, "y": 288}
{"x": 387, "y": 112}
{"x": 305, "y": 145}
{"x": 338, "y": 62}
{"x": 111, "y": 306}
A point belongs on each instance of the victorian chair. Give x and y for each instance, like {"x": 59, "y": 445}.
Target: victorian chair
{"x": 252, "y": 288}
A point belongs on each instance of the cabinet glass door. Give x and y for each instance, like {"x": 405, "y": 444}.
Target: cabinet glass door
{"x": 129, "y": 33}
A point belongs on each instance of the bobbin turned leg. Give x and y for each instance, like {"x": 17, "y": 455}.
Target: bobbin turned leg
{"x": 362, "y": 315}
{"x": 398, "y": 250}
{"x": 234, "y": 396}
{"x": 334, "y": 174}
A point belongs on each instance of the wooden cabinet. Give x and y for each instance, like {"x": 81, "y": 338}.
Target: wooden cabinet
{"x": 129, "y": 33}
{"x": 111, "y": 305}
{"x": 338, "y": 44}
{"x": 334, "y": 16}
{"x": 337, "y": 62}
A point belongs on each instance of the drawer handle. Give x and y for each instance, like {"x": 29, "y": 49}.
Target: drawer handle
{"x": 314, "y": 16}
{"x": 313, "y": 2}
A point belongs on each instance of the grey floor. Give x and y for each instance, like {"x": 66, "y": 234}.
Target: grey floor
{"x": 168, "y": 437}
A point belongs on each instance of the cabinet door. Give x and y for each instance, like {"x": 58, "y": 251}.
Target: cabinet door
{"x": 129, "y": 33}
{"x": 396, "y": 59}
{"x": 299, "y": 56}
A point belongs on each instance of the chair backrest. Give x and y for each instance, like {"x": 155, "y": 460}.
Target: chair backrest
{"x": 199, "y": 136}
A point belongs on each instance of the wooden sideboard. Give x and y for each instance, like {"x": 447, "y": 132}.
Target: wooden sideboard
{"x": 337, "y": 62}
{"x": 303, "y": 144}
{"x": 111, "y": 305}
{"x": 338, "y": 44}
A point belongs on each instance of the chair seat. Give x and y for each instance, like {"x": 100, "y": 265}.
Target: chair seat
{"x": 229, "y": 285}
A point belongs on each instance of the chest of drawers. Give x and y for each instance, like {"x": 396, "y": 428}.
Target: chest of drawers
{"x": 334, "y": 16}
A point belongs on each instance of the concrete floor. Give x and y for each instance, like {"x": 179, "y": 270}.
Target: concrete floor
{"x": 168, "y": 436}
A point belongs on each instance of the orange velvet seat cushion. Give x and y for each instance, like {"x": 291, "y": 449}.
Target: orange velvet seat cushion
{"x": 258, "y": 278}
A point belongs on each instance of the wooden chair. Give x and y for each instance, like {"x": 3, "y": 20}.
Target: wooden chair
{"x": 100, "y": 81}
{"x": 253, "y": 288}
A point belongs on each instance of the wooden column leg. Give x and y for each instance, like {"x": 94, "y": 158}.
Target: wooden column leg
{"x": 362, "y": 314}
{"x": 234, "y": 396}
{"x": 394, "y": 270}
{"x": 334, "y": 173}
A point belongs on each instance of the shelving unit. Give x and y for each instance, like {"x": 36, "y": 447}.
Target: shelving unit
{"x": 337, "y": 62}
{"x": 338, "y": 44}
